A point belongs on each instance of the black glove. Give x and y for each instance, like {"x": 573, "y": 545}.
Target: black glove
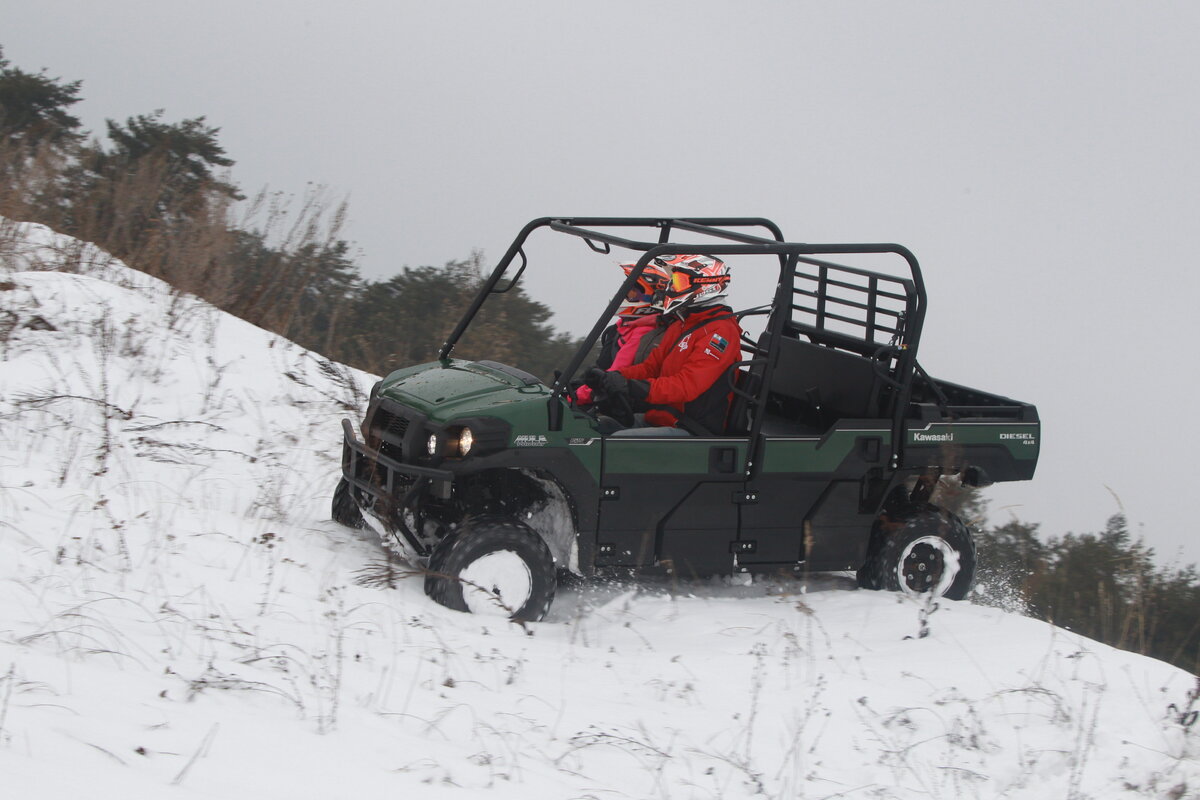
{"x": 614, "y": 383}
{"x": 594, "y": 379}
{"x": 617, "y": 384}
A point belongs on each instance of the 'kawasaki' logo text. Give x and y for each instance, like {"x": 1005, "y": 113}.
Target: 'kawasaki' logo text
{"x": 933, "y": 437}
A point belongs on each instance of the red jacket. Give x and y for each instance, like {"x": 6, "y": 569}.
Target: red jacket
{"x": 685, "y": 370}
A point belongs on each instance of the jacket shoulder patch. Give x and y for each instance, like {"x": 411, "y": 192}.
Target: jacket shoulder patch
{"x": 716, "y": 346}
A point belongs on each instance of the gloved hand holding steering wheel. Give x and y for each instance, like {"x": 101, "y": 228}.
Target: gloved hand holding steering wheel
{"x": 616, "y": 395}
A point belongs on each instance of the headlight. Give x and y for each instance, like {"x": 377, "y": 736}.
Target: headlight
{"x": 465, "y": 440}
{"x": 461, "y": 439}
{"x": 455, "y": 443}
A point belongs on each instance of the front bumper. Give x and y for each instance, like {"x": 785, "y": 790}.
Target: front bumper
{"x": 374, "y": 472}
{"x": 383, "y": 487}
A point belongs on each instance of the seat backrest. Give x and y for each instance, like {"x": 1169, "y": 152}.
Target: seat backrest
{"x": 840, "y": 384}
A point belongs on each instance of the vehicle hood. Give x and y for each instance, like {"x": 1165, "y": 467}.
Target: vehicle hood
{"x": 447, "y": 389}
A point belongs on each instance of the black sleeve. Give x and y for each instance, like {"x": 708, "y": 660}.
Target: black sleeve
{"x": 608, "y": 347}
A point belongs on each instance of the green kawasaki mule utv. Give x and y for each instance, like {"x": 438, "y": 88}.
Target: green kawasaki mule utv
{"x": 495, "y": 483}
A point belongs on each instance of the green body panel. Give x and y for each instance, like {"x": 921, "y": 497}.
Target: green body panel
{"x": 454, "y": 389}
{"x": 817, "y": 455}
{"x": 1020, "y": 439}
{"x": 445, "y": 391}
{"x": 675, "y": 456}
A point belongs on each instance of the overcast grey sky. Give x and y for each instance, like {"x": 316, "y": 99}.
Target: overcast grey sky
{"x": 1039, "y": 158}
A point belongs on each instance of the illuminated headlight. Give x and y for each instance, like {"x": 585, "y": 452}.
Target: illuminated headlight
{"x": 465, "y": 440}
{"x": 455, "y": 443}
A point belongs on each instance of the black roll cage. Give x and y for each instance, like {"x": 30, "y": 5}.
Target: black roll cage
{"x": 907, "y": 330}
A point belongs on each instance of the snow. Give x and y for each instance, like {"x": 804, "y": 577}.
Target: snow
{"x": 178, "y": 614}
{"x": 497, "y": 583}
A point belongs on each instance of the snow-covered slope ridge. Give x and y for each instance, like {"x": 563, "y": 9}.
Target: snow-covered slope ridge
{"x": 179, "y": 617}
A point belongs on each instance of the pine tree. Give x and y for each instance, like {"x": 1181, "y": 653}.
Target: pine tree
{"x": 185, "y": 151}
{"x": 154, "y": 200}
{"x": 33, "y": 108}
{"x": 38, "y": 137}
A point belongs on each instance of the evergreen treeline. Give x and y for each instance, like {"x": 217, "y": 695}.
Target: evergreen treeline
{"x": 154, "y": 194}
{"x": 1106, "y": 586}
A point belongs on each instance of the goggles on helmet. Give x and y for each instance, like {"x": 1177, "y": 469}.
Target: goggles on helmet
{"x": 695, "y": 279}
{"x": 648, "y": 294}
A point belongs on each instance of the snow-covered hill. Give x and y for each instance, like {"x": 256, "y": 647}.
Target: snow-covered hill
{"x": 180, "y": 618}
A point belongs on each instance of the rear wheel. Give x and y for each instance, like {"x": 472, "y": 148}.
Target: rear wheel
{"x": 495, "y": 566}
{"x": 932, "y": 552}
{"x": 869, "y": 574}
{"x": 344, "y": 509}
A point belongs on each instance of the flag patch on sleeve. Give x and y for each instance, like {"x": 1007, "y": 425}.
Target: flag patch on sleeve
{"x": 717, "y": 343}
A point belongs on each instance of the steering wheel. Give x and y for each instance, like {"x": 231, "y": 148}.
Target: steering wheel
{"x": 616, "y": 406}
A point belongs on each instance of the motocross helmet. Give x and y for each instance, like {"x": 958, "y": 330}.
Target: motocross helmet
{"x": 649, "y": 293}
{"x": 696, "y": 281}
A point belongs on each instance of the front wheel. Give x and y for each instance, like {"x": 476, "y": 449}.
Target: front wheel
{"x": 495, "y": 566}
{"x": 933, "y": 552}
{"x": 344, "y": 509}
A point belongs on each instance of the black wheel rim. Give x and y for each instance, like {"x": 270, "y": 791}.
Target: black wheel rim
{"x": 924, "y": 567}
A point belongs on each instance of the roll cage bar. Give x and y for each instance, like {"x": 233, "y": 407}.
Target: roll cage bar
{"x": 906, "y": 328}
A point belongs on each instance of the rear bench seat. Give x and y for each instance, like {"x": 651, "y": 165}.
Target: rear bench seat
{"x": 813, "y": 387}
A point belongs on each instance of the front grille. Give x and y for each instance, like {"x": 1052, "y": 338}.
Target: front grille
{"x": 391, "y": 423}
{"x": 387, "y": 430}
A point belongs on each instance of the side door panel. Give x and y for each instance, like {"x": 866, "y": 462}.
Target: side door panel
{"x": 670, "y": 503}
{"x": 813, "y": 479}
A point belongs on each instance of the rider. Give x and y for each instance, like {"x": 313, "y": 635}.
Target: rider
{"x": 637, "y": 330}
{"x": 678, "y": 385}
